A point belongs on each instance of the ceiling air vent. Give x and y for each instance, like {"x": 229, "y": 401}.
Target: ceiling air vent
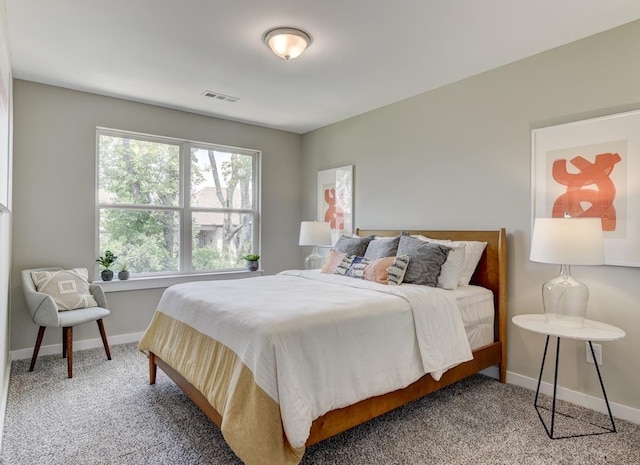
{"x": 219, "y": 96}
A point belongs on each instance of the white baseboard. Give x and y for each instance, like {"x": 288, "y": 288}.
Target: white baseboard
{"x": 77, "y": 345}
{"x": 594, "y": 403}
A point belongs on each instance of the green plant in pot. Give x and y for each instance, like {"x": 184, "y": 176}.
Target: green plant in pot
{"x": 123, "y": 274}
{"x": 252, "y": 261}
{"x": 105, "y": 262}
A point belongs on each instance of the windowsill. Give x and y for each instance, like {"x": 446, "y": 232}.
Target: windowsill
{"x": 156, "y": 282}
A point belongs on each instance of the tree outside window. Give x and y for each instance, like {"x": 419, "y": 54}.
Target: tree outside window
{"x": 168, "y": 206}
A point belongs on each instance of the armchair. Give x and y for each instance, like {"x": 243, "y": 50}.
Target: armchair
{"x": 45, "y": 314}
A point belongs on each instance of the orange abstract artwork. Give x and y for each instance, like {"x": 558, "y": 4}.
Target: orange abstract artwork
{"x": 334, "y": 215}
{"x": 582, "y": 201}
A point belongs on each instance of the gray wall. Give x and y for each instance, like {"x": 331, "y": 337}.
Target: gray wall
{"x": 54, "y": 191}
{"x": 459, "y": 157}
{"x": 5, "y": 244}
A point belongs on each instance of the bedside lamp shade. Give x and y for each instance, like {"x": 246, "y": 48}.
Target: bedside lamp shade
{"x": 566, "y": 242}
{"x": 314, "y": 233}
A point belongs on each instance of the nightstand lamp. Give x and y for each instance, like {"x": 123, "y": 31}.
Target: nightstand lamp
{"x": 566, "y": 242}
{"x": 314, "y": 233}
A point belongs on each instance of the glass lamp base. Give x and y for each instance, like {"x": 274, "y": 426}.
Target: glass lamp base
{"x": 314, "y": 261}
{"x": 565, "y": 300}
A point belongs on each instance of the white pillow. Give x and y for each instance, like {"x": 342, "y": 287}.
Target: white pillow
{"x": 452, "y": 268}
{"x": 472, "y": 255}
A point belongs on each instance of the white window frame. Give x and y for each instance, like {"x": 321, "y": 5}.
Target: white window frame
{"x": 184, "y": 209}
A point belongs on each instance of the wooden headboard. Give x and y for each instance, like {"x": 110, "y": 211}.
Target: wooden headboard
{"x": 490, "y": 273}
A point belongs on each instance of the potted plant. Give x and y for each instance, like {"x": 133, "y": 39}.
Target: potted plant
{"x": 252, "y": 261}
{"x": 105, "y": 262}
{"x": 123, "y": 274}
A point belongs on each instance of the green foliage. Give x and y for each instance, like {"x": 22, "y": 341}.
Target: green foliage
{"x": 252, "y": 257}
{"x": 107, "y": 260}
{"x": 136, "y": 173}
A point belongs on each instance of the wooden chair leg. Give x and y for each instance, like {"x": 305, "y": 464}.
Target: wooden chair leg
{"x": 68, "y": 342}
{"x": 103, "y": 335}
{"x": 36, "y": 349}
{"x": 153, "y": 369}
{"x": 64, "y": 342}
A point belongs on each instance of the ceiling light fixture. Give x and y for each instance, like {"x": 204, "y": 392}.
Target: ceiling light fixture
{"x": 287, "y": 42}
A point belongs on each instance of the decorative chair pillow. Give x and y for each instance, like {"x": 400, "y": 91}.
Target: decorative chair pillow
{"x": 69, "y": 289}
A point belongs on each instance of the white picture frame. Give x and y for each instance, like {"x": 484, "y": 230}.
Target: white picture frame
{"x": 591, "y": 168}
{"x": 335, "y": 200}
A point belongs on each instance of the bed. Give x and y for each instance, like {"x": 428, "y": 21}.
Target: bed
{"x": 235, "y": 383}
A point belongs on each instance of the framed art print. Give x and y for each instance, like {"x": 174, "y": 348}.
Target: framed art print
{"x": 335, "y": 200}
{"x": 591, "y": 168}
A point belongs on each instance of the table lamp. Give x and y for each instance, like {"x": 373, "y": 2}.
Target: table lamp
{"x": 566, "y": 242}
{"x": 314, "y": 233}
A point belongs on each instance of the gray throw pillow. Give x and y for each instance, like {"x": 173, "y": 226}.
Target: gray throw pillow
{"x": 382, "y": 247}
{"x": 353, "y": 245}
{"x": 426, "y": 260}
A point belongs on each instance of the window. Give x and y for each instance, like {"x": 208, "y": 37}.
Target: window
{"x": 169, "y": 206}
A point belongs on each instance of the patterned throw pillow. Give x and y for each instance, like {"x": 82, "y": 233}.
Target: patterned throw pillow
{"x": 68, "y": 288}
{"x": 333, "y": 260}
{"x": 379, "y": 270}
{"x": 426, "y": 260}
{"x": 376, "y": 270}
{"x": 345, "y": 265}
{"x": 397, "y": 270}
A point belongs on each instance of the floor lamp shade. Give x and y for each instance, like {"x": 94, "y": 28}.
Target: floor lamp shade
{"x": 566, "y": 242}
{"x": 314, "y": 233}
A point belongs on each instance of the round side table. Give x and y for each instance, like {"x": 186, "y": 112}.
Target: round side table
{"x": 592, "y": 331}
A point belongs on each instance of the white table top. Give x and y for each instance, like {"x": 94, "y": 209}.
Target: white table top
{"x": 592, "y": 331}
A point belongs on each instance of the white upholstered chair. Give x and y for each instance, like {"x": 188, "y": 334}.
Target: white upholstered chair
{"x": 45, "y": 314}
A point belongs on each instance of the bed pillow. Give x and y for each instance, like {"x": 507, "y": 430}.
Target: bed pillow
{"x": 382, "y": 247}
{"x": 452, "y": 268}
{"x": 353, "y": 245}
{"x": 396, "y": 272}
{"x": 376, "y": 270}
{"x": 381, "y": 270}
{"x": 426, "y": 260}
{"x": 331, "y": 263}
{"x": 345, "y": 265}
{"x": 69, "y": 289}
{"x": 472, "y": 254}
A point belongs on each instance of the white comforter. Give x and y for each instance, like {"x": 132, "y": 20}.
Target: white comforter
{"x": 318, "y": 342}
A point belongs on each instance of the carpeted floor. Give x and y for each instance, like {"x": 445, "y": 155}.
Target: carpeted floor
{"x": 108, "y": 414}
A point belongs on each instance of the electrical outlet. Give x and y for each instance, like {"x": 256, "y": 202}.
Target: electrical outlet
{"x": 597, "y": 349}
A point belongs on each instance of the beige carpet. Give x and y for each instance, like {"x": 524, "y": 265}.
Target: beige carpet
{"x": 108, "y": 414}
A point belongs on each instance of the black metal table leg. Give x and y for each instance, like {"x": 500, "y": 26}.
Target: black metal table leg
{"x": 550, "y": 431}
{"x": 604, "y": 393}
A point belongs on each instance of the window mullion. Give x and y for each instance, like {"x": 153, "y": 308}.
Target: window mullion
{"x": 186, "y": 248}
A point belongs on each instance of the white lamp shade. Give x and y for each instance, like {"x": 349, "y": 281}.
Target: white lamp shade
{"x": 315, "y": 233}
{"x": 567, "y": 241}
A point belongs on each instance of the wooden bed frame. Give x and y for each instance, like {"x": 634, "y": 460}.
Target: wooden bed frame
{"x": 490, "y": 273}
